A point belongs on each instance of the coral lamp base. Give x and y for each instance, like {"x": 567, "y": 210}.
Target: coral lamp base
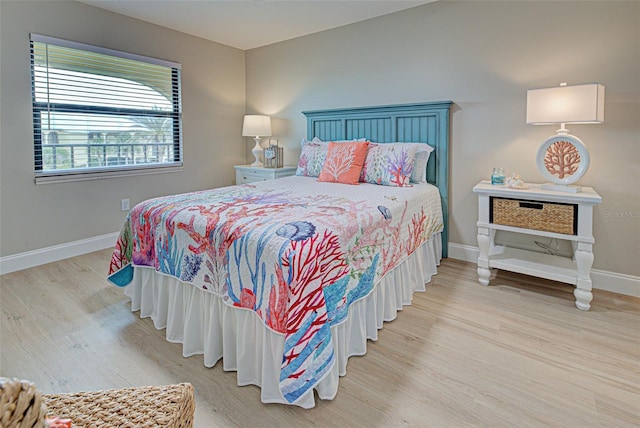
{"x": 562, "y": 160}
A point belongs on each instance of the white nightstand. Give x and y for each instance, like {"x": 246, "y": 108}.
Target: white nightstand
{"x": 551, "y": 214}
{"x": 251, "y": 174}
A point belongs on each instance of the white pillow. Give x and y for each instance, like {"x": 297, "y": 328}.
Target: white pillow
{"x": 419, "y": 172}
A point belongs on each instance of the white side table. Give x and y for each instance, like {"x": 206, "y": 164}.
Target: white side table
{"x": 251, "y": 174}
{"x": 579, "y": 207}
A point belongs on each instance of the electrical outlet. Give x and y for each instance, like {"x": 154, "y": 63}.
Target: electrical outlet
{"x": 124, "y": 204}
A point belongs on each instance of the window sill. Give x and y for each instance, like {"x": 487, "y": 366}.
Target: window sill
{"x": 69, "y": 176}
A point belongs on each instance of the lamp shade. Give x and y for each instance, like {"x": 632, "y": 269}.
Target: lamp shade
{"x": 256, "y": 126}
{"x": 566, "y": 104}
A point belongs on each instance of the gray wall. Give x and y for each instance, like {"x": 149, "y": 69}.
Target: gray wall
{"x": 213, "y": 97}
{"x": 483, "y": 56}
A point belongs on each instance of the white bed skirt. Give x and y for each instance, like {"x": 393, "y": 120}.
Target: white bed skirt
{"x": 205, "y": 325}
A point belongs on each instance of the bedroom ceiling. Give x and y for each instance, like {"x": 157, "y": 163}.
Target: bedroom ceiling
{"x": 247, "y": 24}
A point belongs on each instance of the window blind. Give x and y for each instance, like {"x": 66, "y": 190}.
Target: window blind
{"x": 97, "y": 110}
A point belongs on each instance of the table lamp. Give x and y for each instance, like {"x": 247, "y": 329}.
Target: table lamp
{"x": 563, "y": 158}
{"x": 256, "y": 126}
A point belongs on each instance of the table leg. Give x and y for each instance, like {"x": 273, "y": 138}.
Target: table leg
{"x": 584, "y": 260}
{"x": 484, "y": 242}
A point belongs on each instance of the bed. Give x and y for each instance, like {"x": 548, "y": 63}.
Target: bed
{"x": 284, "y": 280}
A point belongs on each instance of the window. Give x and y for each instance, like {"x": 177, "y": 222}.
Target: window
{"x": 99, "y": 112}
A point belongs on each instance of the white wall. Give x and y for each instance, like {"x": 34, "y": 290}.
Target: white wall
{"x": 483, "y": 56}
{"x": 213, "y": 97}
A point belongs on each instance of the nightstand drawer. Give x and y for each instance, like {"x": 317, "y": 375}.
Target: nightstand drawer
{"x": 536, "y": 215}
{"x": 249, "y": 175}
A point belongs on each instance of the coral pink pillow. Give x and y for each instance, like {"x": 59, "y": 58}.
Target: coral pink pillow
{"x": 344, "y": 162}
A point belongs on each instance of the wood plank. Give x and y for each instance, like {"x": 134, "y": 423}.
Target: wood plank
{"x": 517, "y": 353}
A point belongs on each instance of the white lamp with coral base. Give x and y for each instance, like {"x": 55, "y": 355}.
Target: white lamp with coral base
{"x": 563, "y": 158}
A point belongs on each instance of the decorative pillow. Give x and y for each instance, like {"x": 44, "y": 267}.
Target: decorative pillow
{"x": 318, "y": 140}
{"x": 419, "y": 173}
{"x": 344, "y": 162}
{"x": 312, "y": 158}
{"x": 305, "y": 141}
{"x": 353, "y": 140}
{"x": 313, "y": 155}
{"x": 389, "y": 164}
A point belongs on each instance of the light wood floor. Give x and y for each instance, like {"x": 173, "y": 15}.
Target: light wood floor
{"x": 517, "y": 353}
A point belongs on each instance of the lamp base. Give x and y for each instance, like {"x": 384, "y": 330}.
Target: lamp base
{"x": 257, "y": 149}
{"x": 561, "y": 188}
{"x": 562, "y": 159}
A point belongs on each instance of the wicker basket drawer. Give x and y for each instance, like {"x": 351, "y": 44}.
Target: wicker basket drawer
{"x": 537, "y": 215}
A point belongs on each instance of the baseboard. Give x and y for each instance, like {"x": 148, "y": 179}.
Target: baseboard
{"x": 463, "y": 252}
{"x": 616, "y": 282}
{"x": 602, "y": 280}
{"x": 46, "y": 255}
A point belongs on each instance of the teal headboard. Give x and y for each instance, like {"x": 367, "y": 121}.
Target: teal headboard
{"x": 413, "y": 123}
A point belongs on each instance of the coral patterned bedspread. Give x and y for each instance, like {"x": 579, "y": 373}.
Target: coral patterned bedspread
{"x": 295, "y": 251}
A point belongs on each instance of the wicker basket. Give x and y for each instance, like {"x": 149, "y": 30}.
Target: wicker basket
{"x": 537, "y": 215}
{"x": 150, "y": 406}
{"x": 22, "y": 405}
